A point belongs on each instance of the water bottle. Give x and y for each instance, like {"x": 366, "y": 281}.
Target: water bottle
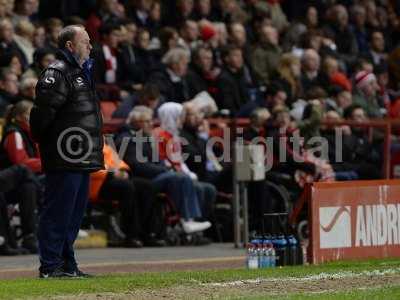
{"x": 264, "y": 259}
{"x": 272, "y": 256}
{"x": 292, "y": 250}
{"x": 252, "y": 257}
{"x": 280, "y": 245}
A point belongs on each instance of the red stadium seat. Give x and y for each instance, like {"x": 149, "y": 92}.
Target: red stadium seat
{"x": 107, "y": 108}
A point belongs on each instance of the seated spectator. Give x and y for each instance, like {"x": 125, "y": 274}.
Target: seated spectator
{"x": 149, "y": 96}
{"x": 189, "y": 35}
{"x": 24, "y": 38}
{"x": 106, "y": 66}
{"x": 195, "y": 133}
{"x": 359, "y": 158}
{"x": 168, "y": 39}
{"x": 274, "y": 96}
{"x": 7, "y": 41}
{"x": 377, "y": 53}
{"x": 202, "y": 74}
{"x": 365, "y": 94}
{"x": 288, "y": 76}
{"x": 134, "y": 62}
{"x": 53, "y": 28}
{"x": 39, "y": 37}
{"x": 17, "y": 143}
{"x": 27, "y": 87}
{"x": 141, "y": 157}
{"x": 171, "y": 80}
{"x": 135, "y": 198}
{"x": 11, "y": 60}
{"x": 341, "y": 100}
{"x": 19, "y": 186}
{"x": 266, "y": 54}
{"x": 105, "y": 13}
{"x": 171, "y": 117}
{"x": 8, "y": 90}
{"x": 345, "y": 39}
{"x": 311, "y": 75}
{"x": 139, "y": 12}
{"x": 232, "y": 91}
{"x": 42, "y": 58}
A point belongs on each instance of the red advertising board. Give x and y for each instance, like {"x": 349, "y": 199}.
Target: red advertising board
{"x": 357, "y": 219}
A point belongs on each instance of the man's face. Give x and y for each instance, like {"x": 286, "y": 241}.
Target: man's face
{"x": 358, "y": 115}
{"x": 113, "y": 38}
{"x": 312, "y": 62}
{"x": 152, "y": 102}
{"x": 47, "y": 60}
{"x": 270, "y": 35}
{"x": 39, "y": 37}
{"x": 131, "y": 31}
{"x": 193, "y": 117}
{"x": 180, "y": 68}
{"x": 144, "y": 123}
{"x": 378, "y": 42}
{"x": 344, "y": 99}
{"x": 235, "y": 59}
{"x": 144, "y": 40}
{"x": 371, "y": 88}
{"x": 205, "y": 60}
{"x": 238, "y": 34}
{"x": 192, "y": 31}
{"x": 279, "y": 98}
{"x": 204, "y": 7}
{"x": 10, "y": 84}
{"x": 7, "y": 32}
{"x": 80, "y": 45}
{"x": 31, "y": 7}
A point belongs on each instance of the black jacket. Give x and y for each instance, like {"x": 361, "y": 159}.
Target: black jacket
{"x": 66, "y": 119}
{"x": 170, "y": 91}
{"x": 142, "y": 164}
{"x": 194, "y": 148}
{"x": 231, "y": 90}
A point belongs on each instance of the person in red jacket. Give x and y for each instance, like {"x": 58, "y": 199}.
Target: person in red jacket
{"x": 17, "y": 145}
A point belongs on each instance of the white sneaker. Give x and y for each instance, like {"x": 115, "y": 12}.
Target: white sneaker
{"x": 1, "y": 240}
{"x": 191, "y": 226}
{"x": 82, "y": 234}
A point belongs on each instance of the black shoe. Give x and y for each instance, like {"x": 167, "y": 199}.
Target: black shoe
{"x": 133, "y": 243}
{"x": 30, "y": 243}
{"x": 57, "y": 273}
{"x": 154, "y": 242}
{"x": 79, "y": 274}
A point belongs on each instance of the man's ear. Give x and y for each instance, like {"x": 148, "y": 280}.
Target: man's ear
{"x": 68, "y": 45}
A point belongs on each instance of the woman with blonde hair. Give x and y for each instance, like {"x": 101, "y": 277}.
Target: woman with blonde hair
{"x": 289, "y": 70}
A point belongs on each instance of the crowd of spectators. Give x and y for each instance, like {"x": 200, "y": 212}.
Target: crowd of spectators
{"x": 285, "y": 65}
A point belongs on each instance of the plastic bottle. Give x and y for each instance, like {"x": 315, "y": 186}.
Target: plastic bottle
{"x": 272, "y": 256}
{"x": 252, "y": 257}
{"x": 280, "y": 245}
{"x": 292, "y": 250}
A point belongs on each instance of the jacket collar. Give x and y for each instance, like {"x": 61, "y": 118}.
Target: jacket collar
{"x": 67, "y": 56}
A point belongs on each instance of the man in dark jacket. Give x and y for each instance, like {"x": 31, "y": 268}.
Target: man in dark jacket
{"x": 171, "y": 80}
{"x": 232, "y": 91}
{"x": 66, "y": 122}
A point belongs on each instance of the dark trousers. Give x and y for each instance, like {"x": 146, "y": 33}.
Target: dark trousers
{"x": 136, "y": 199}
{"x": 60, "y": 218}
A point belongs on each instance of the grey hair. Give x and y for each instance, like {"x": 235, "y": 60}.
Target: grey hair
{"x": 175, "y": 55}
{"x": 137, "y": 112}
{"x": 67, "y": 34}
{"x": 27, "y": 81}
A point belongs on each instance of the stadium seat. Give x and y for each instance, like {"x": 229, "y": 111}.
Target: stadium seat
{"x": 107, "y": 108}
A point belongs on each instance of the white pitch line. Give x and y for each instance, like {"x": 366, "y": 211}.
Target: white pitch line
{"x": 321, "y": 276}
